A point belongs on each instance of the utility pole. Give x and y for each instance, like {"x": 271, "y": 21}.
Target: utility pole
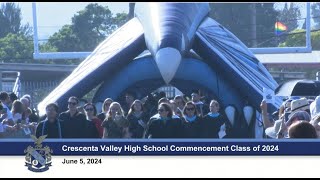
{"x": 253, "y": 25}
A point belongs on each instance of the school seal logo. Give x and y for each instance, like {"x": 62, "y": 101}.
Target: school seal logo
{"x": 38, "y": 158}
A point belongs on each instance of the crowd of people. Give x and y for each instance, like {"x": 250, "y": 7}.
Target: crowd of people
{"x": 146, "y": 118}
{"x": 150, "y": 118}
{"x": 297, "y": 117}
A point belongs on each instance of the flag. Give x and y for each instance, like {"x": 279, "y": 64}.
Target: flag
{"x": 279, "y": 28}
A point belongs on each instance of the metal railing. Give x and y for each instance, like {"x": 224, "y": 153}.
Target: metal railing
{"x": 17, "y": 85}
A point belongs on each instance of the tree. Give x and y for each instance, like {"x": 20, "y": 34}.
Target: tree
{"x": 94, "y": 24}
{"x": 265, "y": 29}
{"x": 290, "y": 16}
{"x": 228, "y": 15}
{"x": 315, "y": 7}
{"x": 10, "y": 20}
{"x": 65, "y": 40}
{"x": 298, "y": 38}
{"x": 89, "y": 27}
{"x": 16, "y": 48}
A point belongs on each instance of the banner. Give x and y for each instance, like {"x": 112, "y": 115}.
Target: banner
{"x": 145, "y": 147}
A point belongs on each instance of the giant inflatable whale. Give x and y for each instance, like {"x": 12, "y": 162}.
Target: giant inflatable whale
{"x": 176, "y": 44}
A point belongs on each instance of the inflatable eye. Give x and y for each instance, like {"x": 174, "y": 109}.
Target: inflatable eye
{"x": 248, "y": 114}
{"x": 231, "y": 114}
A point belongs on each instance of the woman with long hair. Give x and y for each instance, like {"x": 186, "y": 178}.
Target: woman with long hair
{"x": 164, "y": 126}
{"x": 138, "y": 119}
{"x": 116, "y": 125}
{"x": 192, "y": 122}
{"x": 105, "y": 108}
{"x": 91, "y": 112}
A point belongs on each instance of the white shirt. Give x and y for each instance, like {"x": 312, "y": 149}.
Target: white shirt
{"x": 9, "y": 113}
{"x": 16, "y": 117}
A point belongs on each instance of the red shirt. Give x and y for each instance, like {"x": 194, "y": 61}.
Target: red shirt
{"x": 97, "y": 122}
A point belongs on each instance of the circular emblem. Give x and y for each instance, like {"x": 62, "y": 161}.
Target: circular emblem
{"x": 35, "y": 162}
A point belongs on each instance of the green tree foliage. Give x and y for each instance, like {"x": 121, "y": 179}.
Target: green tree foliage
{"x": 298, "y": 38}
{"x": 65, "y": 40}
{"x": 16, "y": 48}
{"x": 89, "y": 27}
{"x": 236, "y": 17}
{"x": 10, "y": 21}
{"x": 15, "y": 43}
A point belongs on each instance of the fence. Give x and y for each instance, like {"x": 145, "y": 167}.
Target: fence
{"x": 37, "y": 89}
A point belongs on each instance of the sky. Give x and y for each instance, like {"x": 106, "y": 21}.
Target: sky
{"x": 53, "y": 15}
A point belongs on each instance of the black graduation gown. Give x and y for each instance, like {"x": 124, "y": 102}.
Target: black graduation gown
{"x": 51, "y": 129}
{"x": 193, "y": 129}
{"x": 211, "y": 126}
{"x": 170, "y": 128}
{"x": 135, "y": 128}
{"x": 74, "y": 127}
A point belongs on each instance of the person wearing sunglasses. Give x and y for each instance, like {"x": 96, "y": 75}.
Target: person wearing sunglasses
{"x": 94, "y": 127}
{"x": 192, "y": 122}
{"x": 116, "y": 125}
{"x": 74, "y": 121}
{"x": 164, "y": 126}
{"x": 138, "y": 119}
{"x": 214, "y": 122}
{"x": 105, "y": 108}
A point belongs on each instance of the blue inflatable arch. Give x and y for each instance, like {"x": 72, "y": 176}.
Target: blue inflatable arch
{"x": 143, "y": 74}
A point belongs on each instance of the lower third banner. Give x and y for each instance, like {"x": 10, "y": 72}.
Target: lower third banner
{"x": 161, "y": 147}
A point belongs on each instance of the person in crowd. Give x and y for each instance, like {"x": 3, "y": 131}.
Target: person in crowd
{"x": 290, "y": 106}
{"x": 6, "y": 103}
{"x": 13, "y": 97}
{"x": 265, "y": 117}
{"x": 17, "y": 111}
{"x": 164, "y": 100}
{"x": 93, "y": 123}
{"x": 280, "y": 128}
{"x": 193, "y": 124}
{"x": 116, "y": 125}
{"x": 201, "y": 107}
{"x": 1, "y": 119}
{"x": 315, "y": 107}
{"x": 8, "y": 130}
{"x": 74, "y": 121}
{"x": 315, "y": 123}
{"x": 215, "y": 124}
{"x": 26, "y": 122}
{"x": 164, "y": 126}
{"x": 301, "y": 104}
{"x": 176, "y": 112}
{"x": 302, "y": 129}
{"x": 138, "y": 119}
{"x": 34, "y": 117}
{"x": 22, "y": 130}
{"x": 51, "y": 126}
{"x": 297, "y": 116}
{"x": 180, "y": 102}
{"x": 130, "y": 97}
{"x": 105, "y": 108}
{"x": 161, "y": 100}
